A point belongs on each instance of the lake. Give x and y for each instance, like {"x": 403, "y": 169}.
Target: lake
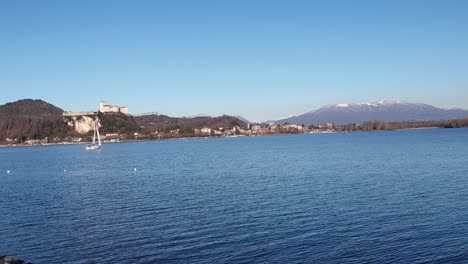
{"x": 381, "y": 197}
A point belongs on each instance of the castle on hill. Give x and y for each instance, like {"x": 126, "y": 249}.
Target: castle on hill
{"x": 105, "y": 108}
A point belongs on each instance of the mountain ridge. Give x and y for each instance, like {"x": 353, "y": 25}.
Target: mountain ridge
{"x": 385, "y": 110}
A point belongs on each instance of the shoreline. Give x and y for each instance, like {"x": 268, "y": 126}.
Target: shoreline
{"x": 196, "y": 138}
{"x": 420, "y": 128}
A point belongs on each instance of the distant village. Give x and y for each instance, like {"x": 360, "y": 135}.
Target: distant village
{"x": 250, "y": 130}
{"x": 236, "y": 131}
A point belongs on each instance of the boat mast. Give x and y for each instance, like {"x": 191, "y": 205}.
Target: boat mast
{"x": 94, "y": 135}
{"x": 97, "y": 131}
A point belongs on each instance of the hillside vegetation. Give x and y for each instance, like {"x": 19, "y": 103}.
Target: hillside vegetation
{"x": 117, "y": 123}
{"x": 151, "y": 123}
{"x": 33, "y": 119}
{"x": 382, "y": 125}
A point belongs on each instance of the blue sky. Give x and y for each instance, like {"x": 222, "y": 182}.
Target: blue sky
{"x": 259, "y": 59}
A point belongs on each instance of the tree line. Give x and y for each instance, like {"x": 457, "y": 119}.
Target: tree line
{"x": 382, "y": 125}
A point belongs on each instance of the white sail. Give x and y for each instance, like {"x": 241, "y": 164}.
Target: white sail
{"x": 94, "y": 134}
{"x": 98, "y": 137}
{"x": 95, "y": 146}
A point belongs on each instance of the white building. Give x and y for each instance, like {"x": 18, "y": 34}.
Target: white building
{"x": 256, "y": 128}
{"x": 104, "y": 108}
{"x": 204, "y": 131}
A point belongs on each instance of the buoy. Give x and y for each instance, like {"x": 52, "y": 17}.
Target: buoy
{"x": 134, "y": 169}
{"x": 65, "y": 171}
{"x": 8, "y": 171}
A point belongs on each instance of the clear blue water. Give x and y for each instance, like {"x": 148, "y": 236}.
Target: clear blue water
{"x": 378, "y": 197}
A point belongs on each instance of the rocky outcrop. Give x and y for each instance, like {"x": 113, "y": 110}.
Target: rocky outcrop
{"x": 11, "y": 260}
{"x": 81, "y": 124}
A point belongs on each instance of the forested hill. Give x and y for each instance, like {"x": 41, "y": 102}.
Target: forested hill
{"x": 33, "y": 119}
{"x": 117, "y": 123}
{"x": 154, "y": 122}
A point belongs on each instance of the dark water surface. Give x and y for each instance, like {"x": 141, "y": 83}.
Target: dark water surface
{"x": 340, "y": 198}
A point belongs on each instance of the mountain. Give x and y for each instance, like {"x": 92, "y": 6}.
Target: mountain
{"x": 34, "y": 119}
{"x": 358, "y": 113}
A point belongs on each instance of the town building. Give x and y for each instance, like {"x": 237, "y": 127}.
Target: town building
{"x": 256, "y": 128}
{"x": 329, "y": 125}
{"x": 204, "y": 131}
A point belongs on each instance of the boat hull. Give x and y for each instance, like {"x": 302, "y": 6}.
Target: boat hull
{"x": 93, "y": 147}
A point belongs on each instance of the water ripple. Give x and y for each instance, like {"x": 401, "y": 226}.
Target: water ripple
{"x": 386, "y": 197}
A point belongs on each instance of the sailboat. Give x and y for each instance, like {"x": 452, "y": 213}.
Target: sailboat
{"x": 95, "y": 146}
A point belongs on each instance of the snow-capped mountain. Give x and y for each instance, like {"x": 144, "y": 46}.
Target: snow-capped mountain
{"x": 381, "y": 110}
